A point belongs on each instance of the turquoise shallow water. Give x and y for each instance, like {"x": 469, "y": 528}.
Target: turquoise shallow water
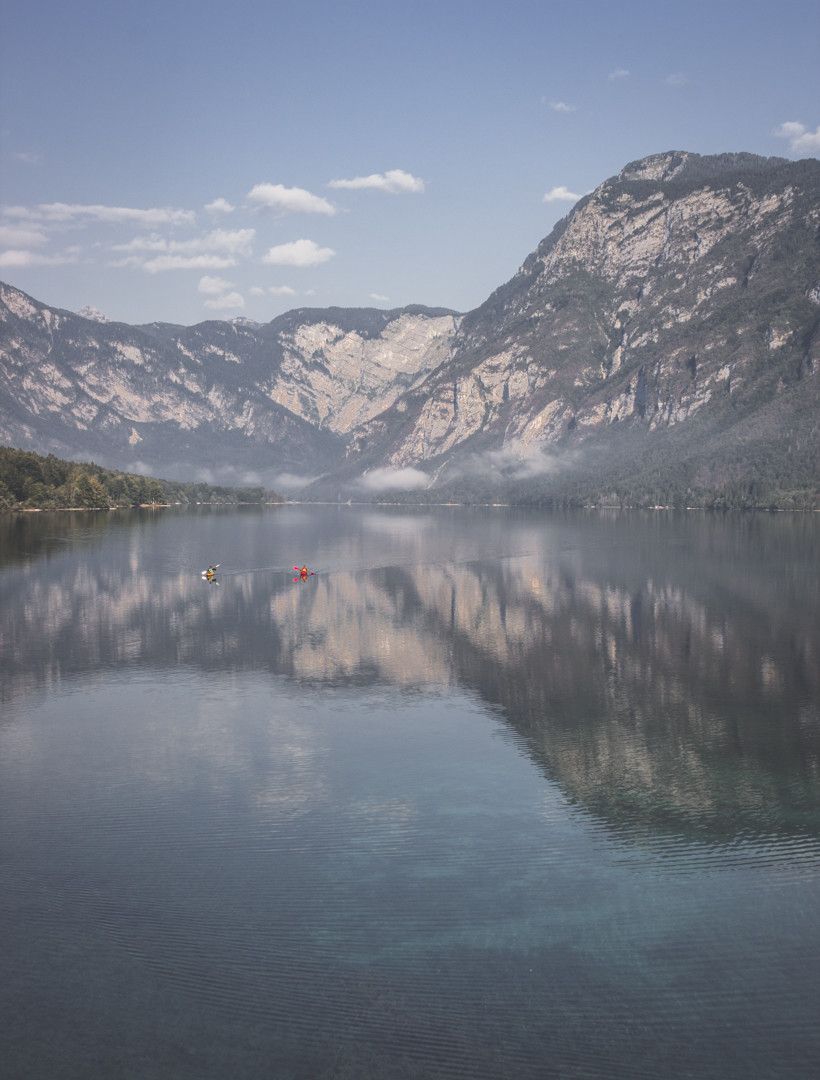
{"x": 496, "y": 794}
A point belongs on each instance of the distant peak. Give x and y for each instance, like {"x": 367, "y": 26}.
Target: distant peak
{"x": 701, "y": 167}
{"x": 655, "y": 167}
{"x": 92, "y": 313}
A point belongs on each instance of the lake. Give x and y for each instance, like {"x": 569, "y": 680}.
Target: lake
{"x": 496, "y": 794}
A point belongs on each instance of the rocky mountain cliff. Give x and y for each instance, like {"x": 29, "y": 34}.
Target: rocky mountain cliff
{"x": 661, "y": 344}
{"x": 220, "y": 396}
{"x": 663, "y": 338}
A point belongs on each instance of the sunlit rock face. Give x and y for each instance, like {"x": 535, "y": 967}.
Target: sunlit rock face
{"x": 665, "y": 331}
{"x": 271, "y": 396}
{"x": 339, "y": 379}
{"x": 671, "y": 314}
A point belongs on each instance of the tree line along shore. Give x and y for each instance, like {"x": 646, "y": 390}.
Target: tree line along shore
{"x": 30, "y": 481}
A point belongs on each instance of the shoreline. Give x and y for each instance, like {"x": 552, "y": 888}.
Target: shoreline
{"x": 134, "y": 506}
{"x": 408, "y": 506}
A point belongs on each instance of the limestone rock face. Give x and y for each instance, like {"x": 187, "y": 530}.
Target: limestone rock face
{"x": 339, "y": 379}
{"x": 89, "y": 312}
{"x": 274, "y": 396}
{"x": 682, "y": 289}
{"x": 665, "y": 335}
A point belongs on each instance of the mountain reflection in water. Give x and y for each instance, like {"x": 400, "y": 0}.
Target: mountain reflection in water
{"x": 662, "y": 669}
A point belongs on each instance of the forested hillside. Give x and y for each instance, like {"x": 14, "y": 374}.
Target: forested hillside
{"x": 31, "y": 481}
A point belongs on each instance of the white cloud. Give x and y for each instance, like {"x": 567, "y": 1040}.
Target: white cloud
{"x": 561, "y": 194}
{"x": 216, "y": 250}
{"x": 291, "y": 200}
{"x": 143, "y": 243}
{"x": 801, "y": 140}
{"x": 395, "y": 181}
{"x": 289, "y": 481}
{"x": 272, "y": 290}
{"x": 790, "y": 129}
{"x": 129, "y": 260}
{"x": 220, "y": 206}
{"x": 229, "y": 302}
{"x": 34, "y": 258}
{"x": 16, "y": 236}
{"x": 514, "y": 461}
{"x": 808, "y": 142}
{"x": 518, "y": 461}
{"x": 182, "y": 262}
{"x": 561, "y": 106}
{"x": 58, "y": 211}
{"x": 379, "y": 297}
{"x": 230, "y": 476}
{"x": 677, "y": 78}
{"x": 231, "y": 241}
{"x": 214, "y": 286}
{"x": 298, "y": 253}
{"x": 140, "y": 467}
{"x": 26, "y": 156}
{"x": 407, "y": 479}
{"x": 618, "y": 73}
{"x": 228, "y": 241}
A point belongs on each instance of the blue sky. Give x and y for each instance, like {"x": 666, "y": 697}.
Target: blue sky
{"x": 449, "y": 122}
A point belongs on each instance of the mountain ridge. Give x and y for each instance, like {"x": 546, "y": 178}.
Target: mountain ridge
{"x": 674, "y": 309}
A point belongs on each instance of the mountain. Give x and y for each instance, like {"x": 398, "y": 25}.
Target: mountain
{"x": 661, "y": 341}
{"x": 89, "y": 312}
{"x": 220, "y": 397}
{"x": 660, "y": 345}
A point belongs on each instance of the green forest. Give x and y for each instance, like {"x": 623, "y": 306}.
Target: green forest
{"x": 29, "y": 481}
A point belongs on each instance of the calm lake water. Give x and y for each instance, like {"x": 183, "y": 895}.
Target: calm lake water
{"x": 495, "y": 794}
